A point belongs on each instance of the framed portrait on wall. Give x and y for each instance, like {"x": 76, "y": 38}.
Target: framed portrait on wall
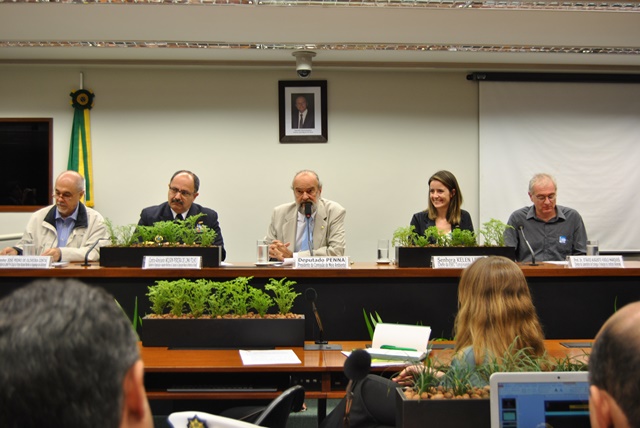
{"x": 303, "y": 111}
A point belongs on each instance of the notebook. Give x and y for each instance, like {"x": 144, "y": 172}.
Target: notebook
{"x": 540, "y": 399}
{"x": 400, "y": 342}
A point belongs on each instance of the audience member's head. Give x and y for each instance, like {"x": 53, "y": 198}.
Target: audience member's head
{"x": 614, "y": 371}
{"x": 69, "y": 358}
{"x": 495, "y": 310}
{"x": 306, "y": 187}
{"x": 183, "y": 190}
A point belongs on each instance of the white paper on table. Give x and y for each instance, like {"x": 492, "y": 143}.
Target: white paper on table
{"x": 264, "y": 357}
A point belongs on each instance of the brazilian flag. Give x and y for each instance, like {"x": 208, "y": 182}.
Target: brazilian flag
{"x": 80, "y": 149}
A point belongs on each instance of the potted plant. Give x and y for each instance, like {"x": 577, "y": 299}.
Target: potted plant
{"x": 458, "y": 396}
{"x": 229, "y": 314}
{"x": 413, "y": 250}
{"x": 188, "y": 237}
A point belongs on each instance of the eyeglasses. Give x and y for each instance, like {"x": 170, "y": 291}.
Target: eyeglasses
{"x": 65, "y": 195}
{"x": 542, "y": 198}
{"x": 310, "y": 192}
{"x": 175, "y": 190}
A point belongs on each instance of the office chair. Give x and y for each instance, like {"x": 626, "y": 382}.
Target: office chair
{"x": 276, "y": 414}
{"x": 184, "y": 420}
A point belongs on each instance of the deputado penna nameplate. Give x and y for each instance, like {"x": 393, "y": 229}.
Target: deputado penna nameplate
{"x": 321, "y": 263}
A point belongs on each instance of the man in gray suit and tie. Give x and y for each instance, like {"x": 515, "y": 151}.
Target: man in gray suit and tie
{"x": 310, "y": 226}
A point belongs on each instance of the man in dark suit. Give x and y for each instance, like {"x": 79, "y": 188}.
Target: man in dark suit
{"x": 183, "y": 190}
{"x": 303, "y": 117}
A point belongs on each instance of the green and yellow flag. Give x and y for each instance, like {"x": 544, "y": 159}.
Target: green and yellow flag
{"x": 80, "y": 149}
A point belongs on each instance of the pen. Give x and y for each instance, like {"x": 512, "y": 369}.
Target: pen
{"x": 397, "y": 348}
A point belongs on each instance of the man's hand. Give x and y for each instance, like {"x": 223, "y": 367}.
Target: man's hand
{"x": 55, "y": 254}
{"x": 9, "y": 251}
{"x": 279, "y": 250}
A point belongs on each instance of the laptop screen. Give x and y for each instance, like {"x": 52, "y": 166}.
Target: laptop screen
{"x": 540, "y": 400}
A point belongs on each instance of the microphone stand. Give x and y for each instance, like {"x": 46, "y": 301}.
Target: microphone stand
{"x": 533, "y": 255}
{"x": 320, "y": 343}
{"x": 86, "y": 256}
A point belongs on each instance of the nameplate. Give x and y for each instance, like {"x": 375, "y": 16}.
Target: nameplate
{"x": 453, "y": 262}
{"x": 595, "y": 261}
{"x": 25, "y": 262}
{"x": 172, "y": 262}
{"x": 321, "y": 263}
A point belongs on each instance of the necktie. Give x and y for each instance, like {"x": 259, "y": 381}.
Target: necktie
{"x": 179, "y": 217}
{"x": 304, "y": 245}
{"x": 300, "y": 121}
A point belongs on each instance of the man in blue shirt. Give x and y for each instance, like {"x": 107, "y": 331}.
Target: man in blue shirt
{"x": 553, "y": 231}
{"x": 67, "y": 229}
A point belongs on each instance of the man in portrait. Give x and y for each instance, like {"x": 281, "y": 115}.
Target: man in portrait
{"x": 303, "y": 115}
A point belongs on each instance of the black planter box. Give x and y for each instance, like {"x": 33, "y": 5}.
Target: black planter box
{"x": 421, "y": 256}
{"x": 132, "y": 256}
{"x": 222, "y": 333}
{"x": 463, "y": 413}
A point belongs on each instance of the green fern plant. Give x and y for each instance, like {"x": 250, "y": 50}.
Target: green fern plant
{"x": 284, "y": 293}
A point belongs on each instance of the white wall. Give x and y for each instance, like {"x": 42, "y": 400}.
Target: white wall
{"x": 388, "y": 132}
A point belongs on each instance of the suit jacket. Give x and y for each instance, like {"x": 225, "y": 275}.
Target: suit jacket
{"x": 162, "y": 212}
{"x": 328, "y": 229}
{"x": 309, "y": 120}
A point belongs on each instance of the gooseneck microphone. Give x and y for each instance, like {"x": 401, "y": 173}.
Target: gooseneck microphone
{"x": 356, "y": 368}
{"x": 311, "y": 296}
{"x": 320, "y": 343}
{"x": 533, "y": 255}
{"x": 307, "y": 214}
{"x": 86, "y": 256}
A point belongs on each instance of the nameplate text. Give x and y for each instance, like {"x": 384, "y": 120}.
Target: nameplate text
{"x": 595, "y": 261}
{"x": 453, "y": 262}
{"x": 172, "y": 262}
{"x": 321, "y": 263}
{"x": 25, "y": 262}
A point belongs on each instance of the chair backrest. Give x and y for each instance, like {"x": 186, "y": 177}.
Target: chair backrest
{"x": 277, "y": 413}
{"x": 183, "y": 419}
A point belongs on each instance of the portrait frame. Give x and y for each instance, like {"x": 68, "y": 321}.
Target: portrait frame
{"x": 311, "y": 126}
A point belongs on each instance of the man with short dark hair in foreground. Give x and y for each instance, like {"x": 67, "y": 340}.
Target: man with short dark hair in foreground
{"x": 69, "y": 358}
{"x": 614, "y": 371}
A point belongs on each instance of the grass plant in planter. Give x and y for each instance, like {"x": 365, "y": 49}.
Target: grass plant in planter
{"x": 229, "y": 314}
{"x": 413, "y": 250}
{"x": 453, "y": 395}
{"x": 188, "y": 237}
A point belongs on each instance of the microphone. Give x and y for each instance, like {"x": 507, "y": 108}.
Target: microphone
{"x": 86, "y": 256}
{"x": 533, "y": 255}
{"x": 307, "y": 209}
{"x": 320, "y": 343}
{"x": 356, "y": 368}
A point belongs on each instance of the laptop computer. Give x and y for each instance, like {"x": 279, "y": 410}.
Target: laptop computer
{"x": 540, "y": 400}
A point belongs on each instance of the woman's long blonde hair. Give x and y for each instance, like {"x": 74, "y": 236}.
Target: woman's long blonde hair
{"x": 495, "y": 311}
